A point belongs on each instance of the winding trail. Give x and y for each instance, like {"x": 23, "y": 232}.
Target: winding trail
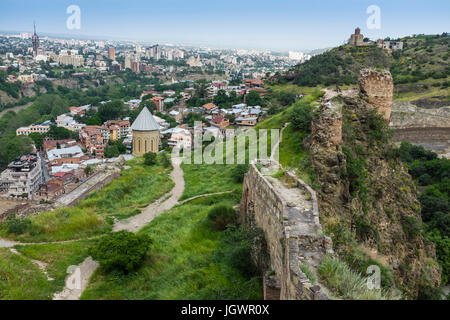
{"x": 78, "y": 280}
{"x": 41, "y": 264}
{"x": 135, "y": 223}
{"x": 276, "y": 148}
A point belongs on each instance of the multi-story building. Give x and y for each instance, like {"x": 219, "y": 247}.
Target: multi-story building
{"x": 123, "y": 127}
{"x": 22, "y": 177}
{"x": 70, "y": 155}
{"x": 69, "y": 123}
{"x": 69, "y": 58}
{"x": 112, "y": 53}
{"x": 94, "y": 138}
{"x": 390, "y": 45}
{"x": 159, "y": 102}
{"x": 25, "y": 131}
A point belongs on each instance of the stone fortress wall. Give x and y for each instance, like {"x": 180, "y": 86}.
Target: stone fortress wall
{"x": 292, "y": 232}
{"x": 292, "y": 229}
{"x": 378, "y": 89}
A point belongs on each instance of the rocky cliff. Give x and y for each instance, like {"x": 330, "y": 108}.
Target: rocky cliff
{"x": 367, "y": 200}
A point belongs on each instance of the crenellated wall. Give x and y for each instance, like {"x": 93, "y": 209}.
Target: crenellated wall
{"x": 292, "y": 232}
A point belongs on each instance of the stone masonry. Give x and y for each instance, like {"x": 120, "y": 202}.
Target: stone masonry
{"x": 378, "y": 89}
{"x": 292, "y": 232}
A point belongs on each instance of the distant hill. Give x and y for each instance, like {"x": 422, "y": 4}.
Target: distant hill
{"x": 319, "y": 51}
{"x": 424, "y": 60}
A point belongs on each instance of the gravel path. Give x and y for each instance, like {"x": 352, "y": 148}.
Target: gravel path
{"x": 135, "y": 223}
{"x": 7, "y": 243}
{"x": 77, "y": 281}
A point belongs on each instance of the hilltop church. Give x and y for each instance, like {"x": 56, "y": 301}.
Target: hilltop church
{"x": 145, "y": 133}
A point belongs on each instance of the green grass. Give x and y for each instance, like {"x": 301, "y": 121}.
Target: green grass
{"x": 20, "y": 279}
{"x": 58, "y": 258}
{"x": 134, "y": 189}
{"x": 180, "y": 264}
{"x": 293, "y": 156}
{"x": 308, "y": 272}
{"x": 203, "y": 179}
{"x": 347, "y": 284}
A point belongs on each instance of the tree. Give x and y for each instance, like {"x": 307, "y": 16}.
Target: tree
{"x": 150, "y": 158}
{"x": 164, "y": 160}
{"x": 239, "y": 171}
{"x": 253, "y": 99}
{"x": 111, "y": 110}
{"x": 88, "y": 170}
{"x": 301, "y": 116}
{"x": 13, "y": 146}
{"x": 121, "y": 251}
{"x": 59, "y": 133}
{"x": 38, "y": 139}
{"x": 114, "y": 149}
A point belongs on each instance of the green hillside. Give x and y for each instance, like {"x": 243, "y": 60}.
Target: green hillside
{"x": 421, "y": 67}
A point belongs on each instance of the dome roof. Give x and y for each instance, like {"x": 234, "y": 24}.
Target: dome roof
{"x": 145, "y": 122}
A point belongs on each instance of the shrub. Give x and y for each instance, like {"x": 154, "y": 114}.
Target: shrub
{"x": 222, "y": 215}
{"x": 347, "y": 284}
{"x": 243, "y": 249}
{"x": 429, "y": 293}
{"x": 239, "y": 171}
{"x": 301, "y": 116}
{"x": 150, "y": 158}
{"x": 411, "y": 227}
{"x": 17, "y": 226}
{"x": 164, "y": 160}
{"x": 121, "y": 251}
{"x": 307, "y": 271}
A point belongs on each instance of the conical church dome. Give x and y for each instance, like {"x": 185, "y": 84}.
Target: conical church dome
{"x": 145, "y": 122}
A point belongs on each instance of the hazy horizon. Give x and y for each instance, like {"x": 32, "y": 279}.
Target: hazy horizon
{"x": 285, "y": 26}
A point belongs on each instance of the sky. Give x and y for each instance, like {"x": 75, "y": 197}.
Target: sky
{"x": 279, "y": 25}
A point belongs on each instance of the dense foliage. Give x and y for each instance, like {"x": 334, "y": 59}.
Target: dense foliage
{"x": 121, "y": 251}
{"x": 301, "y": 116}
{"x": 423, "y": 57}
{"x": 433, "y": 174}
{"x": 222, "y": 215}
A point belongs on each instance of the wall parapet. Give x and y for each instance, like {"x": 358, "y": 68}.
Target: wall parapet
{"x": 292, "y": 231}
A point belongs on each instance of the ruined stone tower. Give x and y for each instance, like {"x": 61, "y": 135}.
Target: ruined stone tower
{"x": 377, "y": 88}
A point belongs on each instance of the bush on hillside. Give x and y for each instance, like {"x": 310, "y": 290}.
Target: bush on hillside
{"x": 164, "y": 160}
{"x": 17, "y": 226}
{"x": 301, "y": 116}
{"x": 222, "y": 215}
{"x": 239, "y": 172}
{"x": 429, "y": 293}
{"x": 241, "y": 247}
{"x": 150, "y": 158}
{"x": 121, "y": 251}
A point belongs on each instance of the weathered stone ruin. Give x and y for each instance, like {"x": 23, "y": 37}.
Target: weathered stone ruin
{"x": 373, "y": 199}
{"x": 377, "y": 87}
{"x": 286, "y": 210}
